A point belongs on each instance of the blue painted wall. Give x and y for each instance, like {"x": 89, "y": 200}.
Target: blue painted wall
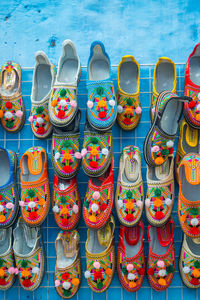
{"x": 147, "y": 29}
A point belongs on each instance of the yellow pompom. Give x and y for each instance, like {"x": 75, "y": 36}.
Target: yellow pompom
{"x": 92, "y": 219}
{"x": 54, "y": 103}
{"x": 64, "y": 211}
{"x": 162, "y": 281}
{"x": 198, "y": 117}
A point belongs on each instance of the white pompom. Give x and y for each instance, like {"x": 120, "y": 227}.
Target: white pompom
{"x": 94, "y": 207}
{"x": 57, "y": 155}
{"x": 35, "y": 270}
{"x": 186, "y": 270}
{"x": 131, "y": 276}
{"x": 198, "y": 96}
{"x": 66, "y": 285}
{"x": 39, "y": 120}
{"x": 168, "y": 201}
{"x": 63, "y": 102}
{"x": 1, "y": 207}
{"x": 105, "y": 151}
{"x": 170, "y": 144}
{"x": 56, "y": 209}
{"x": 8, "y": 115}
{"x": 87, "y": 274}
{"x": 194, "y": 222}
{"x": 120, "y": 203}
{"x": 31, "y": 204}
{"x": 119, "y": 109}
{"x": 111, "y": 102}
{"x": 162, "y": 273}
{"x": 198, "y": 107}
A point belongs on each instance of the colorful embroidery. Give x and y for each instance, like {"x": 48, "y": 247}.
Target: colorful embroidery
{"x": 39, "y": 119}
{"x": 190, "y": 269}
{"x": 7, "y": 271}
{"x": 192, "y": 109}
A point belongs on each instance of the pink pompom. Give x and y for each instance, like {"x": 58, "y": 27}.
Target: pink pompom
{"x": 138, "y": 110}
{"x": 155, "y": 148}
{"x": 77, "y": 155}
{"x": 96, "y": 195}
{"x": 129, "y": 267}
{"x": 11, "y": 270}
{"x": 96, "y": 265}
{"x": 198, "y": 96}
{"x": 57, "y": 283}
{"x": 19, "y": 113}
{"x": 21, "y": 203}
{"x": 153, "y": 110}
{"x": 90, "y": 104}
{"x": 9, "y": 205}
{"x": 160, "y": 263}
{"x": 147, "y": 202}
{"x": 75, "y": 208}
{"x": 16, "y": 271}
{"x": 139, "y": 203}
{"x": 73, "y": 103}
{"x": 84, "y": 152}
{"x": 30, "y": 119}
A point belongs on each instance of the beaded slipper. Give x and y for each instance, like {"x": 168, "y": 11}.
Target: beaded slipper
{"x": 29, "y": 255}
{"x": 188, "y": 143}
{"x": 188, "y": 200}
{"x": 192, "y": 88}
{"x": 35, "y": 194}
{"x": 158, "y": 144}
{"x": 43, "y": 79}
{"x": 189, "y": 262}
{"x": 99, "y": 199}
{"x": 129, "y": 198}
{"x": 100, "y": 257}
{"x": 128, "y": 89}
{"x": 101, "y": 105}
{"x": 160, "y": 193}
{"x": 68, "y": 264}
{"x": 161, "y": 258}
{"x": 65, "y": 153}
{"x": 66, "y": 203}
{"x": 12, "y": 112}
{"x": 97, "y": 151}
{"x": 164, "y": 79}
{"x": 9, "y": 198}
{"x": 130, "y": 257}
{"x": 7, "y": 268}
{"x": 63, "y": 103}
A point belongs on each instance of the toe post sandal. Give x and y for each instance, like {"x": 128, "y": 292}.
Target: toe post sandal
{"x": 129, "y": 198}
{"x": 66, "y": 203}
{"x": 102, "y": 104}
{"x": 35, "y": 193}
{"x": 43, "y": 79}
{"x": 161, "y": 258}
{"x": 128, "y": 89}
{"x": 67, "y": 276}
{"x": 99, "y": 199}
{"x": 63, "y": 103}
{"x": 12, "y": 112}
{"x": 29, "y": 255}
{"x": 100, "y": 257}
{"x": 158, "y": 144}
{"x": 130, "y": 257}
{"x": 188, "y": 199}
{"x": 160, "y": 193}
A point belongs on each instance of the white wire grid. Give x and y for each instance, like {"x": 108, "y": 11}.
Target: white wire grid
{"x": 21, "y": 141}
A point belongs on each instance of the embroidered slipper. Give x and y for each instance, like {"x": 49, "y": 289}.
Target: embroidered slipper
{"x": 192, "y": 88}
{"x": 189, "y": 262}
{"x": 43, "y": 79}
{"x": 160, "y": 193}
{"x": 161, "y": 258}
{"x": 99, "y": 199}
{"x": 65, "y": 155}
{"x": 29, "y": 255}
{"x": 128, "y": 89}
{"x": 35, "y": 194}
{"x": 7, "y": 267}
{"x": 9, "y": 198}
{"x": 130, "y": 257}
{"x": 164, "y": 79}
{"x": 188, "y": 199}
{"x": 101, "y": 105}
{"x": 129, "y": 198}
{"x": 63, "y": 103}
{"x": 12, "y": 112}
{"x": 100, "y": 257}
{"x": 97, "y": 151}
{"x": 158, "y": 144}
{"x": 188, "y": 143}
{"x": 66, "y": 203}
{"x": 68, "y": 264}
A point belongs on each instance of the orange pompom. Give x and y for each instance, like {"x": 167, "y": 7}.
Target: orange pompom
{"x": 132, "y": 284}
{"x": 159, "y": 160}
{"x": 198, "y": 117}
{"x": 92, "y": 219}
{"x": 183, "y": 218}
{"x": 54, "y": 103}
{"x": 75, "y": 281}
{"x": 162, "y": 281}
{"x": 108, "y": 271}
{"x": 1, "y": 113}
{"x": 46, "y": 118}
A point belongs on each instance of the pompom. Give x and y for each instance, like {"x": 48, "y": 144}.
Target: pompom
{"x": 55, "y": 209}
{"x": 155, "y": 149}
{"x": 87, "y": 274}
{"x": 21, "y": 203}
{"x": 162, "y": 273}
{"x": 90, "y": 104}
{"x": 94, "y": 207}
{"x": 57, "y": 283}
{"x": 73, "y": 103}
{"x": 129, "y": 267}
{"x": 186, "y": 270}
{"x": 96, "y": 195}
{"x": 30, "y": 119}
{"x": 75, "y": 208}
{"x": 63, "y": 102}
{"x": 194, "y": 222}
{"x": 153, "y": 110}
{"x": 16, "y": 271}
{"x": 131, "y": 276}
{"x": 8, "y": 115}
{"x": 19, "y": 113}
{"x": 119, "y": 109}
{"x": 35, "y": 270}
{"x": 198, "y": 107}
{"x": 84, "y": 152}
{"x": 138, "y": 110}
{"x": 198, "y": 96}
{"x": 1, "y": 113}
{"x": 139, "y": 203}
{"x": 1, "y": 207}
{"x": 66, "y": 285}
{"x": 191, "y": 104}
{"x": 147, "y": 202}
{"x": 11, "y": 270}
{"x": 170, "y": 144}
{"x": 31, "y": 204}
{"x": 39, "y": 120}
{"x": 105, "y": 151}
{"x": 168, "y": 202}
{"x": 77, "y": 155}
{"x": 160, "y": 263}
{"x": 111, "y": 102}
{"x": 57, "y": 155}
{"x": 9, "y": 205}
{"x": 96, "y": 265}
{"x": 120, "y": 203}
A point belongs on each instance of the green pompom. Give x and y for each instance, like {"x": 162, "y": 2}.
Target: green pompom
{"x": 63, "y": 93}
{"x": 129, "y": 102}
{"x": 39, "y": 110}
{"x": 99, "y": 285}
{"x": 124, "y": 270}
{"x": 86, "y": 204}
{"x": 1, "y": 262}
{"x": 165, "y": 152}
{"x": 24, "y": 264}
{"x": 9, "y": 124}
{"x": 63, "y": 200}
{"x": 66, "y": 143}
{"x": 129, "y": 194}
{"x": 100, "y": 90}
{"x": 31, "y": 193}
{"x": 197, "y": 264}
{"x": 194, "y": 211}
{"x": 157, "y": 192}
{"x": 67, "y": 293}
{"x": 170, "y": 269}
{"x": 94, "y": 140}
